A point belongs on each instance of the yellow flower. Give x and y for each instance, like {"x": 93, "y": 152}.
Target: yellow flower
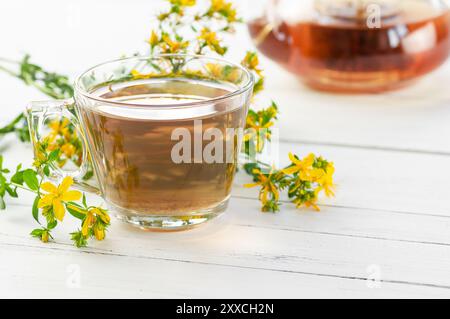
{"x": 260, "y": 131}
{"x": 214, "y": 69}
{"x": 139, "y": 76}
{"x": 59, "y": 127}
{"x": 102, "y": 214}
{"x": 251, "y": 61}
{"x": 183, "y": 3}
{"x": 326, "y": 182}
{"x": 99, "y": 231}
{"x": 87, "y": 223}
{"x": 44, "y": 236}
{"x": 171, "y": 46}
{"x": 302, "y": 167}
{"x": 68, "y": 149}
{"x": 267, "y": 184}
{"x": 154, "y": 39}
{"x": 252, "y": 124}
{"x": 210, "y": 39}
{"x": 224, "y": 8}
{"x": 312, "y": 203}
{"x": 219, "y": 72}
{"x": 57, "y": 195}
{"x": 91, "y": 220}
{"x": 40, "y": 151}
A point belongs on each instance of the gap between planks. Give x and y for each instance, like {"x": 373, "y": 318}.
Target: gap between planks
{"x": 325, "y": 233}
{"x": 105, "y": 253}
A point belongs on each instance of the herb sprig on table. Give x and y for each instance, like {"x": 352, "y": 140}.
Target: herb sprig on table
{"x": 184, "y": 27}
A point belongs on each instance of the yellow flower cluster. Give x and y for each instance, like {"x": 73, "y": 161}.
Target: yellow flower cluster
{"x": 57, "y": 200}
{"x": 209, "y": 38}
{"x": 96, "y": 221}
{"x": 311, "y": 175}
{"x": 258, "y": 126}
{"x": 63, "y": 137}
{"x": 168, "y": 45}
{"x": 154, "y": 39}
{"x": 183, "y": 3}
{"x": 304, "y": 180}
{"x": 224, "y": 9}
{"x": 269, "y": 193}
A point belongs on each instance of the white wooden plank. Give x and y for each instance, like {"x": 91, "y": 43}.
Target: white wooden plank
{"x": 47, "y": 273}
{"x": 225, "y": 243}
{"x": 375, "y": 179}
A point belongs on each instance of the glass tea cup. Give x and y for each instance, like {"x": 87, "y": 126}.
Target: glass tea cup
{"x": 161, "y": 136}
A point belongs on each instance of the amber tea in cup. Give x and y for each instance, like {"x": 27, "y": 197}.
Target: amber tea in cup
{"x": 162, "y": 134}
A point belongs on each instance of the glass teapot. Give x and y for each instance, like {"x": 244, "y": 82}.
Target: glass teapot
{"x": 355, "y": 46}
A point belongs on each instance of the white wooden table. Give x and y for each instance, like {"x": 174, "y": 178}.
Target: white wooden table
{"x": 386, "y": 234}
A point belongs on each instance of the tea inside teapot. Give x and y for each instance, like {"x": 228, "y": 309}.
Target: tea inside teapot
{"x": 355, "y": 45}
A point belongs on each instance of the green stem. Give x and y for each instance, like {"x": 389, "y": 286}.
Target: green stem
{"x": 23, "y": 187}
{"x": 12, "y": 126}
{"x": 8, "y": 71}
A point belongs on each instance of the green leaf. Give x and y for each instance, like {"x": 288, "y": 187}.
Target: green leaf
{"x": 249, "y": 167}
{"x": 30, "y": 178}
{"x": 75, "y": 213}
{"x": 78, "y": 239}
{"x": 35, "y": 209}
{"x": 88, "y": 175}
{"x": 84, "y": 201}
{"x": 53, "y": 156}
{"x": 47, "y": 170}
{"x": 12, "y": 191}
{"x": 52, "y": 225}
{"x": 17, "y": 178}
{"x": 37, "y": 232}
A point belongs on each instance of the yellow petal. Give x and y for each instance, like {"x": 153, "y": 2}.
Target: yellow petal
{"x": 103, "y": 215}
{"x": 264, "y": 195}
{"x": 78, "y": 209}
{"x": 65, "y": 184}
{"x": 105, "y": 218}
{"x": 275, "y": 192}
{"x": 99, "y": 233}
{"x": 294, "y": 159}
{"x": 251, "y": 185}
{"x": 309, "y": 160}
{"x": 47, "y": 200}
{"x": 49, "y": 187}
{"x": 268, "y": 125}
{"x": 290, "y": 170}
{"x": 85, "y": 227}
{"x": 71, "y": 196}
{"x": 58, "y": 209}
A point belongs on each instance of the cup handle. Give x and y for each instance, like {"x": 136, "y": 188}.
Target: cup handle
{"x": 37, "y": 114}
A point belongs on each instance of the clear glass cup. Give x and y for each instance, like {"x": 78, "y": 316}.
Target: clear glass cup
{"x": 162, "y": 135}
